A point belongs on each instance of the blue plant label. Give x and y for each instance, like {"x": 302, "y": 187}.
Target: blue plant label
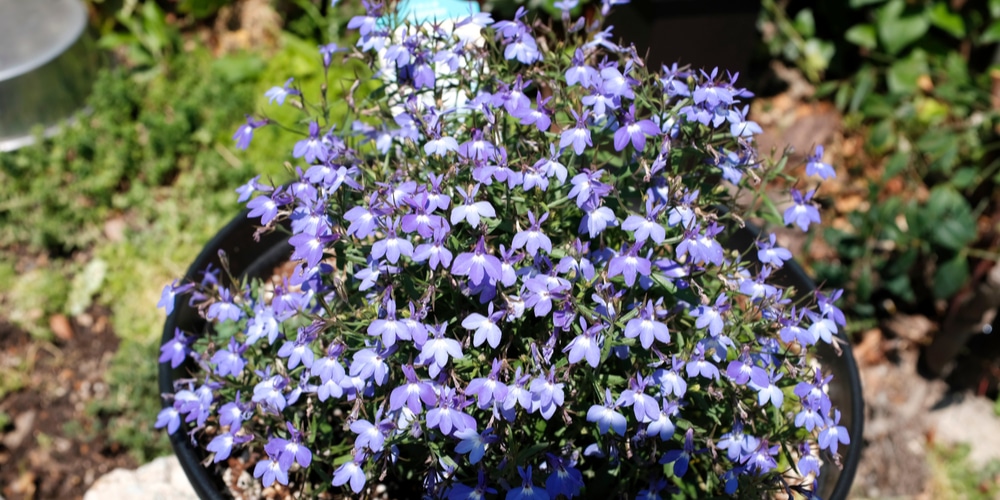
{"x": 428, "y": 11}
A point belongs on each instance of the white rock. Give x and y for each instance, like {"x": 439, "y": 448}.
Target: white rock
{"x": 161, "y": 479}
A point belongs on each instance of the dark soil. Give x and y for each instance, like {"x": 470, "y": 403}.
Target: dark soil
{"x": 52, "y": 446}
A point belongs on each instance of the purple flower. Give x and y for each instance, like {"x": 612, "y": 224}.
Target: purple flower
{"x": 298, "y": 351}
{"x": 351, "y": 472}
{"x": 761, "y": 460}
{"x": 527, "y": 490}
{"x": 263, "y": 206}
{"x": 448, "y": 416}
{"x": 564, "y": 479}
{"x": 488, "y": 389}
{"x": 738, "y": 445}
{"x": 288, "y": 451}
{"x": 579, "y": 72}
{"x": 389, "y": 328}
{"x": 369, "y": 435}
{"x": 647, "y": 227}
{"x": 802, "y": 212}
{"x": 440, "y": 146}
{"x": 578, "y": 136}
{"x": 412, "y": 393}
{"x": 671, "y": 381}
{"x": 269, "y": 471}
{"x": 634, "y": 132}
{"x": 681, "y": 458}
{"x": 230, "y": 361}
{"x": 364, "y": 221}
{"x": 810, "y": 417}
{"x": 474, "y": 443}
{"x": 392, "y": 247}
{"x": 808, "y": 463}
{"x": 702, "y": 248}
{"x": 700, "y": 366}
{"x": 647, "y": 328}
{"x": 176, "y": 349}
{"x": 485, "y": 326}
{"x": 816, "y": 166}
{"x": 606, "y": 416}
{"x": 664, "y": 426}
{"x": 644, "y": 406}
{"x": 269, "y": 392}
{"x": 312, "y": 147}
{"x": 224, "y": 309}
{"x": 280, "y": 93}
{"x": 477, "y": 148}
{"x": 370, "y": 362}
{"x": 546, "y": 394}
{"x": 170, "y": 418}
{"x": 764, "y": 383}
{"x": 629, "y": 266}
{"x": 711, "y": 316}
{"x": 587, "y": 344}
{"x": 833, "y": 435}
{"x": 533, "y": 238}
{"x": 597, "y": 219}
{"x": 478, "y": 264}
{"x": 768, "y": 253}
{"x": 438, "y": 349}
{"x": 472, "y": 210}
{"x": 244, "y": 134}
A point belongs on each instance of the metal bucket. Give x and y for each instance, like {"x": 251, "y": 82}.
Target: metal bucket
{"x": 47, "y": 67}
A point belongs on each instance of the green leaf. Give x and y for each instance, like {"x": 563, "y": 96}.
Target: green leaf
{"x": 862, "y": 35}
{"x": 992, "y": 34}
{"x": 897, "y": 163}
{"x": 882, "y": 137}
{"x": 805, "y": 23}
{"x": 942, "y": 17}
{"x": 903, "y": 74}
{"x": 952, "y": 225}
{"x": 964, "y": 177}
{"x": 898, "y": 29}
{"x": 951, "y": 276}
{"x": 995, "y": 9}
{"x": 863, "y": 85}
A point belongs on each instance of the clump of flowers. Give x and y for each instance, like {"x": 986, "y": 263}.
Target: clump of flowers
{"x": 509, "y": 279}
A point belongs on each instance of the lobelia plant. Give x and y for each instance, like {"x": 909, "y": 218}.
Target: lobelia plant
{"x": 508, "y": 279}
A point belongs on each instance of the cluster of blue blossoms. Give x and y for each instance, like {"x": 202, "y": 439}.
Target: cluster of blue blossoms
{"x": 512, "y": 260}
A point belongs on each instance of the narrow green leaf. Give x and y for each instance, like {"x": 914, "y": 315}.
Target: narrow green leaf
{"x": 992, "y": 34}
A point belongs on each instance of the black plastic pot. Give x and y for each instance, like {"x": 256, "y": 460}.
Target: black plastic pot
{"x": 251, "y": 258}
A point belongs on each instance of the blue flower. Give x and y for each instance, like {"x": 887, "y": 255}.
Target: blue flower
{"x": 768, "y": 253}
{"x": 564, "y": 479}
{"x": 527, "y": 490}
{"x": 644, "y": 406}
{"x": 802, "y": 212}
{"x": 629, "y": 265}
{"x": 586, "y": 345}
{"x": 485, "y": 326}
{"x": 176, "y": 349}
{"x": 488, "y": 389}
{"x": 230, "y": 361}
{"x": 170, "y": 418}
{"x": 634, "y": 131}
{"x": 647, "y": 328}
{"x": 474, "y": 443}
{"x": 412, "y": 393}
{"x": 764, "y": 383}
{"x": 312, "y": 147}
{"x": 280, "y": 93}
{"x": 224, "y": 309}
{"x": 578, "y": 136}
{"x": 436, "y": 351}
{"x": 269, "y": 471}
{"x": 533, "y": 238}
{"x": 478, "y": 264}
{"x": 834, "y": 434}
{"x": 351, "y": 472}
{"x": 816, "y": 166}
{"x": 244, "y": 134}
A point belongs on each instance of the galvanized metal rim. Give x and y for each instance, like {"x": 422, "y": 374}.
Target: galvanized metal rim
{"x": 78, "y": 17}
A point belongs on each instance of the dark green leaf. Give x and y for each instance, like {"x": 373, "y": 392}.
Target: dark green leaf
{"x": 882, "y": 136}
{"x": 861, "y": 3}
{"x": 964, "y": 177}
{"x": 805, "y": 23}
{"x": 949, "y": 217}
{"x": 864, "y": 84}
{"x": 992, "y": 34}
{"x": 943, "y": 17}
{"x": 862, "y": 35}
{"x": 897, "y": 163}
{"x": 951, "y": 276}
{"x": 903, "y": 73}
{"x": 898, "y": 29}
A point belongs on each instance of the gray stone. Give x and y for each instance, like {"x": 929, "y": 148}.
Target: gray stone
{"x": 161, "y": 479}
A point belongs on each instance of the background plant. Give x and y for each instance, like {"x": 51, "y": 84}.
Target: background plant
{"x": 914, "y": 79}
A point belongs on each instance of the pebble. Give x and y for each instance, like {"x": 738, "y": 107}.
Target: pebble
{"x": 162, "y": 479}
